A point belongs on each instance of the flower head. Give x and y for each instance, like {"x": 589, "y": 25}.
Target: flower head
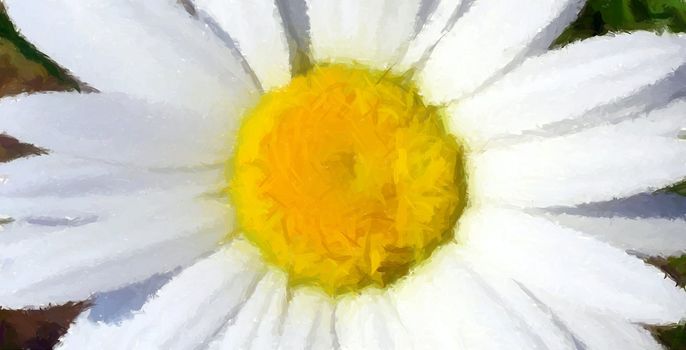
{"x": 343, "y": 174}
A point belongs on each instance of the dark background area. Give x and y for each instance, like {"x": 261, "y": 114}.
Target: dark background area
{"x": 23, "y": 69}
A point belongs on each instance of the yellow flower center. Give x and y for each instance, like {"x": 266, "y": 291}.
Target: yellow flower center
{"x": 345, "y": 178}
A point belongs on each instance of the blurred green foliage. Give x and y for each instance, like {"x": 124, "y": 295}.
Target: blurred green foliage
{"x": 673, "y": 338}
{"x": 679, "y": 266}
{"x": 605, "y": 16}
{"x": 39, "y": 62}
{"x": 679, "y": 188}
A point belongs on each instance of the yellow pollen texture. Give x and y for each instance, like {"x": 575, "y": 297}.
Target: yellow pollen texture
{"x": 345, "y": 179}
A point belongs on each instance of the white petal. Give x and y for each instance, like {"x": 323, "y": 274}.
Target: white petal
{"x": 647, "y": 236}
{"x": 370, "y": 321}
{"x": 368, "y": 32}
{"x": 600, "y": 332}
{"x": 121, "y": 304}
{"x": 267, "y": 334}
{"x": 132, "y": 238}
{"x": 536, "y": 317}
{"x": 551, "y": 260}
{"x": 438, "y": 22}
{"x": 150, "y": 49}
{"x": 668, "y": 121}
{"x": 118, "y": 129}
{"x": 187, "y": 311}
{"x": 476, "y": 49}
{"x": 308, "y": 323}
{"x": 323, "y": 334}
{"x": 44, "y": 213}
{"x": 256, "y": 28}
{"x": 444, "y": 305}
{"x": 108, "y": 310}
{"x": 662, "y": 204}
{"x": 29, "y": 227}
{"x": 568, "y": 83}
{"x": 241, "y": 332}
{"x": 656, "y": 100}
{"x": 87, "y": 334}
{"x": 593, "y": 165}
{"x": 64, "y": 176}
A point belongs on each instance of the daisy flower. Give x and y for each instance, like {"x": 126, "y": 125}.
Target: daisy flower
{"x": 347, "y": 174}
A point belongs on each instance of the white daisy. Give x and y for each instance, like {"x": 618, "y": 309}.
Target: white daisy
{"x": 133, "y": 185}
